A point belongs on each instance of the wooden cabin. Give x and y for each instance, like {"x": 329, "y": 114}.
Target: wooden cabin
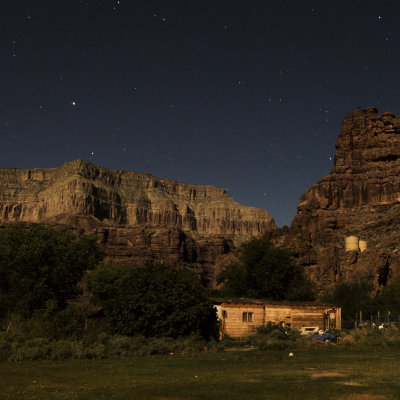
{"x": 241, "y": 317}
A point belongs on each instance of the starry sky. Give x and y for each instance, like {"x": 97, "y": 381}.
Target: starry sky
{"x": 247, "y": 95}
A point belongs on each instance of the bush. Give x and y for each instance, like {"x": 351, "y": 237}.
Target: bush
{"x": 119, "y": 346}
{"x": 274, "y": 337}
{"x": 279, "y": 331}
{"x": 5, "y": 350}
{"x": 51, "y": 323}
{"x": 34, "y": 349}
{"x": 64, "y": 349}
{"x": 372, "y": 337}
{"x": 153, "y": 301}
{"x": 274, "y": 344}
{"x": 41, "y": 263}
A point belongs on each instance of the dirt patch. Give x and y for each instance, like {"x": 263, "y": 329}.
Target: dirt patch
{"x": 328, "y": 375}
{"x": 349, "y": 383}
{"x": 239, "y": 349}
{"x": 174, "y": 398}
{"x": 361, "y": 397}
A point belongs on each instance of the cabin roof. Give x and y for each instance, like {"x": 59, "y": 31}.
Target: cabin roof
{"x": 244, "y": 300}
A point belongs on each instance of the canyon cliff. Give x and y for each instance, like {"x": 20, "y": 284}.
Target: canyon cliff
{"x": 140, "y": 218}
{"x": 137, "y": 217}
{"x": 360, "y": 197}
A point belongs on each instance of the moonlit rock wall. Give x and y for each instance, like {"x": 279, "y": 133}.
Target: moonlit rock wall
{"x": 138, "y": 217}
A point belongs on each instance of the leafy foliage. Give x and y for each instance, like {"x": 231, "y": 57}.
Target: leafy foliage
{"x": 154, "y": 300}
{"x": 264, "y": 270}
{"x": 353, "y": 297}
{"x": 53, "y": 323}
{"x": 389, "y": 297}
{"x": 40, "y": 263}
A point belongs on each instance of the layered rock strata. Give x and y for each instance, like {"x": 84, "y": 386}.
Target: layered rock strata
{"x": 138, "y": 217}
{"x": 360, "y": 197}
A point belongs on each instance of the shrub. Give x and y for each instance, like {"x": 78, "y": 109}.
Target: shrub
{"x": 34, "y": 349}
{"x": 279, "y": 331}
{"x": 153, "y": 301}
{"x": 119, "y": 346}
{"x": 274, "y": 344}
{"x": 96, "y": 350}
{"x": 54, "y": 323}
{"x": 372, "y": 337}
{"x": 5, "y": 349}
{"x": 41, "y": 263}
{"x": 63, "y": 349}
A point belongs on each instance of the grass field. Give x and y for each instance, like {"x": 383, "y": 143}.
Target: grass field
{"x": 316, "y": 373}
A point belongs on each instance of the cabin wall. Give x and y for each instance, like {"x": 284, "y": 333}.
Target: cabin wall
{"x": 278, "y": 315}
{"x": 234, "y": 324}
{"x": 232, "y": 319}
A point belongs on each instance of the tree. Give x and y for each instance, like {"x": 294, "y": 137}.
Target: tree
{"x": 353, "y": 297}
{"x": 41, "y": 263}
{"x": 264, "y": 270}
{"x": 389, "y": 298}
{"x": 153, "y": 300}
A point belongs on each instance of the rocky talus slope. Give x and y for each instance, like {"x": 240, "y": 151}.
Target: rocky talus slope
{"x": 360, "y": 197}
{"x": 138, "y": 217}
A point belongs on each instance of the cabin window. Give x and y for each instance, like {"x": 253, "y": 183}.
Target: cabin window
{"x": 247, "y": 317}
{"x": 224, "y": 314}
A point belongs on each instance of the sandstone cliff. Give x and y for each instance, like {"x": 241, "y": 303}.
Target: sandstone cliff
{"x": 138, "y": 217}
{"x": 361, "y": 197}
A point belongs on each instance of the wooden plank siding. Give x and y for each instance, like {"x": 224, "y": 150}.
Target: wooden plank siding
{"x": 235, "y": 319}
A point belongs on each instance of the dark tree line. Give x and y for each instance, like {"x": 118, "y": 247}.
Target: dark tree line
{"x": 39, "y": 263}
{"x": 360, "y": 295}
{"x": 41, "y": 268}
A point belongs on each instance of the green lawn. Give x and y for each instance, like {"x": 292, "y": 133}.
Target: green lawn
{"x": 227, "y": 375}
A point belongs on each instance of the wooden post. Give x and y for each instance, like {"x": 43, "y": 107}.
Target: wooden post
{"x": 360, "y": 317}
{"x": 379, "y": 318}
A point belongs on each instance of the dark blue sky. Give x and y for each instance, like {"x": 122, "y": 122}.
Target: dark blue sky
{"x": 245, "y": 95}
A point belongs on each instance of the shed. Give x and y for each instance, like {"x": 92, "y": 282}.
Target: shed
{"x": 241, "y": 317}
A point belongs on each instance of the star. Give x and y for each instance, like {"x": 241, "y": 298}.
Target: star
{"x": 73, "y": 103}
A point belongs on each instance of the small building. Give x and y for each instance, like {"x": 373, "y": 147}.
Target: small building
{"x": 241, "y": 317}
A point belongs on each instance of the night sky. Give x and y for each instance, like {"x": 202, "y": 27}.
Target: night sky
{"x": 244, "y": 95}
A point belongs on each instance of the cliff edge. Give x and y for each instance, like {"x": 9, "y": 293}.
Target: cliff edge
{"x": 137, "y": 216}
{"x": 361, "y": 198}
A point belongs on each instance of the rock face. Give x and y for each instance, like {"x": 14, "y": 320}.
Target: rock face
{"x": 360, "y": 197}
{"x": 138, "y": 217}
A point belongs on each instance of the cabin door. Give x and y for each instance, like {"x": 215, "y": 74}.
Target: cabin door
{"x": 332, "y": 319}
